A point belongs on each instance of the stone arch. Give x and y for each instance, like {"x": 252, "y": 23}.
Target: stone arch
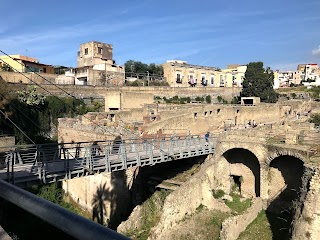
{"x": 278, "y": 152}
{"x": 243, "y": 163}
{"x": 284, "y": 183}
{"x": 285, "y": 176}
{"x": 256, "y": 149}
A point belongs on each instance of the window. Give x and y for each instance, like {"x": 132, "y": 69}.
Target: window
{"x": 203, "y": 80}
{"x": 212, "y": 80}
{"x": 86, "y": 51}
{"x": 99, "y": 50}
{"x": 179, "y": 79}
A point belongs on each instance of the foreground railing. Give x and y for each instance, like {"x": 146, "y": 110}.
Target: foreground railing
{"x": 70, "y": 223}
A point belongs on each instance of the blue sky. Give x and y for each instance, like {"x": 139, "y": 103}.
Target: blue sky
{"x": 280, "y": 33}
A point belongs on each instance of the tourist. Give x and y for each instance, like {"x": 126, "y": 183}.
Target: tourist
{"x": 207, "y": 138}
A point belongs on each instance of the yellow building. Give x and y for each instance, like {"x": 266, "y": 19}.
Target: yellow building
{"x": 232, "y": 76}
{"x": 25, "y": 64}
{"x": 181, "y": 74}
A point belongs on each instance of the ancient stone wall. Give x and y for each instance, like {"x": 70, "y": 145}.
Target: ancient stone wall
{"x": 73, "y": 130}
{"x": 92, "y": 91}
{"x": 131, "y": 99}
{"x": 6, "y": 141}
{"x": 233, "y": 226}
{"x": 29, "y": 78}
{"x": 134, "y": 115}
{"x": 185, "y": 200}
{"x": 307, "y": 226}
{"x": 201, "y": 118}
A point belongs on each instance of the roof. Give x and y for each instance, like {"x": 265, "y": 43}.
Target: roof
{"x": 185, "y": 64}
{"x": 41, "y": 64}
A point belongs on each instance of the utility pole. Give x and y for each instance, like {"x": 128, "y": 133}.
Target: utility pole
{"x": 148, "y": 78}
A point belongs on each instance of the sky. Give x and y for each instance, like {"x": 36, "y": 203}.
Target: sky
{"x": 280, "y": 33}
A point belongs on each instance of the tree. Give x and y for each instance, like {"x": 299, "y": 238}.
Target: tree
{"x": 31, "y": 97}
{"x": 132, "y": 66}
{"x": 258, "y": 82}
{"x": 6, "y": 68}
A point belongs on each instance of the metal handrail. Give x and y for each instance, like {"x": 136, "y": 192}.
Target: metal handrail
{"x": 69, "y": 222}
{"x": 53, "y": 164}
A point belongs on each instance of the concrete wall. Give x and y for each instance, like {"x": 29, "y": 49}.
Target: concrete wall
{"x": 113, "y": 100}
{"x": 108, "y": 190}
{"x": 131, "y": 99}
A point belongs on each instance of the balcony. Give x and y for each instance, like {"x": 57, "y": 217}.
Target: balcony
{"x": 179, "y": 80}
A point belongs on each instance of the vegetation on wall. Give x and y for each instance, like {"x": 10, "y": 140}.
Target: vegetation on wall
{"x": 143, "y": 82}
{"x": 34, "y": 113}
{"x": 315, "y": 92}
{"x": 6, "y": 68}
{"x": 183, "y": 100}
{"x": 315, "y": 118}
{"x": 151, "y": 212}
{"x": 53, "y": 193}
{"x": 258, "y": 82}
{"x": 222, "y": 100}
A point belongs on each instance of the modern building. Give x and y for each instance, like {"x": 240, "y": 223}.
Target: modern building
{"x": 232, "y": 76}
{"x": 181, "y": 74}
{"x": 306, "y": 74}
{"x": 20, "y": 63}
{"x": 283, "y": 78}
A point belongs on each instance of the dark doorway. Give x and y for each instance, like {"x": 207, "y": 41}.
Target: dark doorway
{"x": 280, "y": 212}
{"x": 237, "y": 182}
{"x": 247, "y": 158}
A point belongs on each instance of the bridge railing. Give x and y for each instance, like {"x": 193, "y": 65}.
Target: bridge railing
{"x": 50, "y": 161}
{"x": 22, "y": 154}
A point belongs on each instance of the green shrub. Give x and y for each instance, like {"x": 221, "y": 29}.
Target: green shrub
{"x": 315, "y": 118}
{"x": 236, "y": 205}
{"x": 208, "y": 99}
{"x": 218, "y": 193}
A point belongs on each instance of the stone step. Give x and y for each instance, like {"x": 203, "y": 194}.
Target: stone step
{"x": 164, "y": 186}
{"x": 173, "y": 181}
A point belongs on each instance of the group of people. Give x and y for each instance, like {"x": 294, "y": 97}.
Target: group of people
{"x": 252, "y": 124}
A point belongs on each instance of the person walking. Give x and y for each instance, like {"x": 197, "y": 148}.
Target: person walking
{"x": 207, "y": 138}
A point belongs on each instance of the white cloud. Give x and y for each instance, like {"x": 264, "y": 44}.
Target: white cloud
{"x": 316, "y": 51}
